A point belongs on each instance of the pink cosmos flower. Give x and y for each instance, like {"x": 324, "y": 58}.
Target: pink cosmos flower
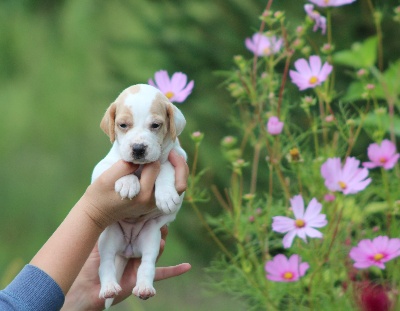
{"x": 310, "y": 75}
{"x": 274, "y": 126}
{"x": 175, "y": 88}
{"x": 375, "y": 252}
{"x": 320, "y": 21}
{"x": 348, "y": 179}
{"x": 262, "y": 45}
{"x": 281, "y": 269}
{"x": 325, "y": 3}
{"x": 304, "y": 223}
{"x": 383, "y": 155}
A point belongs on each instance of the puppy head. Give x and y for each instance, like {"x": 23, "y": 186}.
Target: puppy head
{"x": 142, "y": 121}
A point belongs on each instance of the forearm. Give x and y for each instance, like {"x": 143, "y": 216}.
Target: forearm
{"x": 64, "y": 254}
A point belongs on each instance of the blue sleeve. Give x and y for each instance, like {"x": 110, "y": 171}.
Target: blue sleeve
{"x": 32, "y": 290}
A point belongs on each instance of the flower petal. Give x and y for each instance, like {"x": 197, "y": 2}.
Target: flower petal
{"x": 283, "y": 224}
{"x": 297, "y": 204}
{"x": 313, "y": 209}
{"x": 288, "y": 239}
{"x": 315, "y": 65}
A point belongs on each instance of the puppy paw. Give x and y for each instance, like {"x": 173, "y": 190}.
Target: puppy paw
{"x": 127, "y": 186}
{"x": 109, "y": 290}
{"x": 167, "y": 200}
{"x": 144, "y": 291}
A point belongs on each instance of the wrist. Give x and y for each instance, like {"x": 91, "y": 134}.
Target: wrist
{"x": 79, "y": 299}
{"x": 94, "y": 212}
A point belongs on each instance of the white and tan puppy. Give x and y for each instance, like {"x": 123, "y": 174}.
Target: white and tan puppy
{"x": 143, "y": 126}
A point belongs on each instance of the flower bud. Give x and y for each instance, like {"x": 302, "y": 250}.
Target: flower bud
{"x": 329, "y": 197}
{"x": 249, "y": 196}
{"x": 380, "y": 111}
{"x": 362, "y": 73}
{"x": 228, "y": 141}
{"x": 197, "y": 137}
{"x": 279, "y": 15}
{"x": 329, "y": 118}
{"x": 274, "y": 126}
{"x": 327, "y": 48}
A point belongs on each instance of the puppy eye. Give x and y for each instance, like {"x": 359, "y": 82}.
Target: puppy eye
{"x": 155, "y": 125}
{"x": 123, "y": 126}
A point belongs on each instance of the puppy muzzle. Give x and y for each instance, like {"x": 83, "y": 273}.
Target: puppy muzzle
{"x": 139, "y": 151}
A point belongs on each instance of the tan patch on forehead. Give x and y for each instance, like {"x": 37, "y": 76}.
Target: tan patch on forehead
{"x": 158, "y": 106}
{"x": 133, "y": 89}
{"x": 162, "y": 107}
{"x": 123, "y": 111}
{"x": 130, "y": 90}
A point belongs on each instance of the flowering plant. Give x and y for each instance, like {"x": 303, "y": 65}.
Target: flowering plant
{"x": 301, "y": 140}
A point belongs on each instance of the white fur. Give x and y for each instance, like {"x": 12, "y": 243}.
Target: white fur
{"x": 139, "y": 237}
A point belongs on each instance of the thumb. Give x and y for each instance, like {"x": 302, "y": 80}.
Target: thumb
{"x": 119, "y": 169}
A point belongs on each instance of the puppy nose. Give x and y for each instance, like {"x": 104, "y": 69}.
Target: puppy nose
{"x": 138, "y": 150}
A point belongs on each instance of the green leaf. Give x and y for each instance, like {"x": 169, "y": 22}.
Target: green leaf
{"x": 389, "y": 84}
{"x": 376, "y": 207}
{"x": 374, "y": 121}
{"x": 361, "y": 55}
{"x": 354, "y": 92}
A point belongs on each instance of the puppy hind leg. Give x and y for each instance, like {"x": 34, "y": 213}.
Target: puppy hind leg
{"x": 109, "y": 285}
{"x": 108, "y": 249}
{"x": 150, "y": 245}
{"x": 120, "y": 264}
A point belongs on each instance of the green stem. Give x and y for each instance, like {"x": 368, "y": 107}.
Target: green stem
{"x": 386, "y": 186}
{"x": 211, "y": 232}
{"x": 377, "y": 22}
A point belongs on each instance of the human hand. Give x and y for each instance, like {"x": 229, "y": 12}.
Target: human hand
{"x": 105, "y": 206}
{"x": 181, "y": 171}
{"x": 84, "y": 293}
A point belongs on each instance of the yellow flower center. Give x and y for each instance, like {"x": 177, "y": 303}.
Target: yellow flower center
{"x": 300, "y": 223}
{"x": 169, "y": 95}
{"x": 378, "y": 256}
{"x": 313, "y": 80}
{"x": 294, "y": 154}
{"x": 326, "y": 1}
{"x": 382, "y": 160}
{"x": 267, "y": 51}
{"x": 288, "y": 275}
{"x": 342, "y": 185}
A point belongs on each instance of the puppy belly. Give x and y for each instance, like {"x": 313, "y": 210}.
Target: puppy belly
{"x": 135, "y": 233}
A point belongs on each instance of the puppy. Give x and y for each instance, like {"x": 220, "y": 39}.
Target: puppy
{"x": 143, "y": 126}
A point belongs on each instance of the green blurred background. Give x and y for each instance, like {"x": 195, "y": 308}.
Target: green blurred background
{"x": 63, "y": 62}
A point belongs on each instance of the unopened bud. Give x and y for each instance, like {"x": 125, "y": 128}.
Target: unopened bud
{"x": 197, "y": 137}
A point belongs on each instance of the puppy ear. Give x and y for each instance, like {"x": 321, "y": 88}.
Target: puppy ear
{"x": 177, "y": 121}
{"x": 107, "y": 124}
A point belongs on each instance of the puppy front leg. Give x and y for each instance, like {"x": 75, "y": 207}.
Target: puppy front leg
{"x": 127, "y": 186}
{"x": 167, "y": 199}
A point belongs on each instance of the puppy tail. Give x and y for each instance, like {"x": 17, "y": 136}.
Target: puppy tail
{"x": 108, "y": 303}
{"x": 120, "y": 264}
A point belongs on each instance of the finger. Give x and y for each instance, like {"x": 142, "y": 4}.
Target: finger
{"x": 181, "y": 171}
{"x": 169, "y": 272}
{"x": 164, "y": 232}
{"x": 162, "y": 247}
{"x": 119, "y": 169}
{"x": 128, "y": 279}
{"x": 148, "y": 178}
